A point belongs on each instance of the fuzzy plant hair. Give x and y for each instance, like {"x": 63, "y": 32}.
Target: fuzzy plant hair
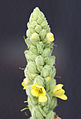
{"x": 39, "y": 82}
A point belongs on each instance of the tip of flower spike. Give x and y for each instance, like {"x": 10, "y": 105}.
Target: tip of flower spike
{"x": 36, "y": 9}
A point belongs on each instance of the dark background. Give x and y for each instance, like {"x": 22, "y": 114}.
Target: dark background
{"x": 64, "y": 18}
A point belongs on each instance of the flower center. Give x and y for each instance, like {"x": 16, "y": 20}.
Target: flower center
{"x": 40, "y": 90}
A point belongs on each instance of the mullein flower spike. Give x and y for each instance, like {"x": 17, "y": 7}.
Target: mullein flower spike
{"x": 40, "y": 71}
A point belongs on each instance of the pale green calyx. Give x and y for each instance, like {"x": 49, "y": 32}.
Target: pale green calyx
{"x": 40, "y": 70}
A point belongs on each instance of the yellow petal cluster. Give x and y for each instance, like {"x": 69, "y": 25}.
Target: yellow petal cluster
{"x": 59, "y": 92}
{"x": 25, "y": 83}
{"x": 50, "y": 37}
{"x": 39, "y": 92}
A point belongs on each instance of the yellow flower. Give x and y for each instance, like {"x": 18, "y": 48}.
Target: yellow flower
{"x": 59, "y": 92}
{"x": 25, "y": 83}
{"x": 39, "y": 92}
{"x": 50, "y": 37}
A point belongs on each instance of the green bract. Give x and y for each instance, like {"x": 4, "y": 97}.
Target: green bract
{"x": 40, "y": 68}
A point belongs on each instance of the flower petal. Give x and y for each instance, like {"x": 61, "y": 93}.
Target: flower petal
{"x": 43, "y": 92}
{"x": 34, "y": 86}
{"x": 63, "y": 97}
{"x": 35, "y": 93}
{"x": 25, "y": 83}
{"x": 57, "y": 87}
{"x": 59, "y": 92}
{"x": 42, "y": 98}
